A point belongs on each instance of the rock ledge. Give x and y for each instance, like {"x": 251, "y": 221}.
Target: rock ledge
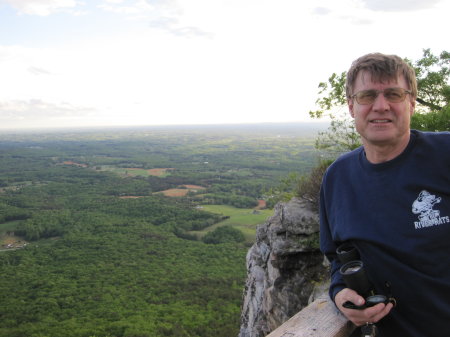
{"x": 283, "y": 268}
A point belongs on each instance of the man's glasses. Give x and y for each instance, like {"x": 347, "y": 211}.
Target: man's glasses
{"x": 393, "y": 95}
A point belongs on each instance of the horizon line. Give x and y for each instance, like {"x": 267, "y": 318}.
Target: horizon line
{"x": 104, "y": 127}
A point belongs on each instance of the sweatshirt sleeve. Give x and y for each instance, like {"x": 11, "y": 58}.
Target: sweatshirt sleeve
{"x": 328, "y": 248}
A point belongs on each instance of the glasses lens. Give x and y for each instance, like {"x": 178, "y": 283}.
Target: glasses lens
{"x": 366, "y": 96}
{"x": 395, "y": 95}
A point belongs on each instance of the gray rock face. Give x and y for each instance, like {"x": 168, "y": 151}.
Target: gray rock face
{"x": 283, "y": 267}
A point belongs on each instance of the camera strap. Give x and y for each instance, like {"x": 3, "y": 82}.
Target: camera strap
{"x": 369, "y": 330}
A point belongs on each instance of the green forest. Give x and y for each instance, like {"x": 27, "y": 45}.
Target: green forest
{"x": 138, "y": 232}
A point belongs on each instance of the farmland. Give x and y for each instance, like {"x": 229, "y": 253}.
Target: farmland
{"x": 115, "y": 223}
{"x": 136, "y": 171}
{"x": 245, "y": 219}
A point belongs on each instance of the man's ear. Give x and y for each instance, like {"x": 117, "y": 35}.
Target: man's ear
{"x": 350, "y": 107}
{"x": 412, "y": 106}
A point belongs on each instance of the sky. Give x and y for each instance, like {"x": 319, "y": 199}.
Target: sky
{"x": 77, "y": 63}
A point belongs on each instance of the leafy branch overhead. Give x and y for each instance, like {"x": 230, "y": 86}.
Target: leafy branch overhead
{"x": 432, "y": 74}
{"x": 332, "y": 94}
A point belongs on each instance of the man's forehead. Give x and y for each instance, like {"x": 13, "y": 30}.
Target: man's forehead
{"x": 366, "y": 77}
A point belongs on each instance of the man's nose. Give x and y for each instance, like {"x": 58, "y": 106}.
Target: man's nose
{"x": 380, "y": 103}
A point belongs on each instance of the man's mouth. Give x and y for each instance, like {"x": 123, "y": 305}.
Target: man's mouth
{"x": 376, "y": 121}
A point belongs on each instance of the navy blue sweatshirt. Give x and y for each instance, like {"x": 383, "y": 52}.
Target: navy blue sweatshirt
{"x": 397, "y": 214}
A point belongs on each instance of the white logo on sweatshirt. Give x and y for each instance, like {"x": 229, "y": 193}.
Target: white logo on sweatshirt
{"x": 428, "y": 216}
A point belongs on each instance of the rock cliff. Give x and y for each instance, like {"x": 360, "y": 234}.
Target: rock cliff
{"x": 283, "y": 268}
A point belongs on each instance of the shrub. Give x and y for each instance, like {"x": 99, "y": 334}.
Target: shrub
{"x": 224, "y": 234}
{"x": 308, "y": 187}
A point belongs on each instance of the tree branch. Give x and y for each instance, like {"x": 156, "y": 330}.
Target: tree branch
{"x": 428, "y": 104}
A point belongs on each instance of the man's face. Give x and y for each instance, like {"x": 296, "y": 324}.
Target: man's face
{"x": 382, "y": 123}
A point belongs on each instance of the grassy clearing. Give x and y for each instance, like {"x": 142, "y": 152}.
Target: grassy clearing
{"x": 10, "y": 226}
{"x": 175, "y": 192}
{"x": 134, "y": 172}
{"x": 181, "y": 192}
{"x": 10, "y": 241}
{"x": 244, "y": 219}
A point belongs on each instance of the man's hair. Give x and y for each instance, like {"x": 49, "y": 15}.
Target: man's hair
{"x": 382, "y": 68}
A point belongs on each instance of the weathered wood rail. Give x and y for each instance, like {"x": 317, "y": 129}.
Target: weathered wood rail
{"x": 321, "y": 318}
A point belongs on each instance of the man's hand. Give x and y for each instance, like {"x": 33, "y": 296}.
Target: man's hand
{"x": 360, "y": 317}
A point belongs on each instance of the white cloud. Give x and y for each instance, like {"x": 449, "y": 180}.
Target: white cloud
{"x": 171, "y": 25}
{"x": 37, "y": 108}
{"x": 114, "y": 1}
{"x": 321, "y": 11}
{"x": 127, "y": 7}
{"x": 164, "y": 15}
{"x": 358, "y": 20}
{"x": 38, "y": 113}
{"x": 399, "y": 5}
{"x": 41, "y": 7}
{"x": 38, "y": 71}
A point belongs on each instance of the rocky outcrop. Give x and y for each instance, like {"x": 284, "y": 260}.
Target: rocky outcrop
{"x": 283, "y": 267}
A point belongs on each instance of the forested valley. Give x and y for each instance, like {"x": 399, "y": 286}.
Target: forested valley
{"x": 136, "y": 232}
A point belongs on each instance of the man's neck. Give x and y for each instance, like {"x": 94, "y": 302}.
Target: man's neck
{"x": 380, "y": 153}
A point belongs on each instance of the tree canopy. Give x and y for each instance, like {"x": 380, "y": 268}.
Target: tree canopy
{"x": 91, "y": 247}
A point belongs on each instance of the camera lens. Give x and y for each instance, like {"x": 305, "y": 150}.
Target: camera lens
{"x": 351, "y": 269}
{"x": 355, "y": 277}
{"x": 347, "y": 252}
{"x": 375, "y": 299}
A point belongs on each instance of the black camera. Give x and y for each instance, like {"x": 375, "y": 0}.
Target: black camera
{"x": 355, "y": 277}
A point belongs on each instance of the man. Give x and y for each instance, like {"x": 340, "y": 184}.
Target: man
{"x": 390, "y": 199}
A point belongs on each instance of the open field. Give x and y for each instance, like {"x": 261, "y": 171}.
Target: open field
{"x": 175, "y": 192}
{"x": 135, "y": 171}
{"x": 182, "y": 191}
{"x": 10, "y": 242}
{"x": 244, "y": 219}
{"x": 9, "y": 226}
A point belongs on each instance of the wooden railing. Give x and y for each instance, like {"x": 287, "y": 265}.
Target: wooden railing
{"x": 321, "y": 318}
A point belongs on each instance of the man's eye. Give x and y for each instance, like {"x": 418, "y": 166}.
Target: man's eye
{"x": 367, "y": 94}
{"x": 393, "y": 94}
